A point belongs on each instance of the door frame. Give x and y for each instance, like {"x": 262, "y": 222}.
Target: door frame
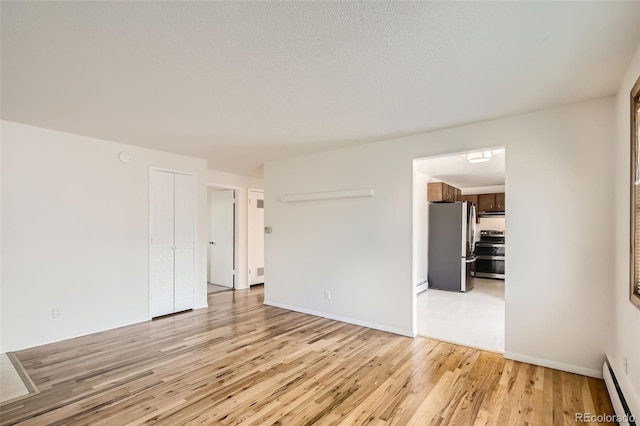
{"x": 235, "y": 231}
{"x": 424, "y": 285}
{"x": 236, "y": 212}
{"x": 195, "y": 228}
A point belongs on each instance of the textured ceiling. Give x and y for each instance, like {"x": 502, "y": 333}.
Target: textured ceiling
{"x": 457, "y": 171}
{"x": 241, "y": 83}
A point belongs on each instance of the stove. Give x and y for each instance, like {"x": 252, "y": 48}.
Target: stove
{"x": 490, "y": 254}
{"x": 491, "y": 236}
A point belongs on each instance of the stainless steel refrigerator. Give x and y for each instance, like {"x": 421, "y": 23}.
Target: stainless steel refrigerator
{"x": 451, "y": 246}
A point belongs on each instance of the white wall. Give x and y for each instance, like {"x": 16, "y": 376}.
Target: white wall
{"x": 230, "y": 180}
{"x": 626, "y": 342}
{"x": 557, "y": 295}
{"x": 76, "y": 228}
{"x": 482, "y": 190}
{"x": 242, "y": 184}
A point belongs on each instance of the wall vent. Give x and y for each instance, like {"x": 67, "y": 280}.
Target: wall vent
{"x": 260, "y": 271}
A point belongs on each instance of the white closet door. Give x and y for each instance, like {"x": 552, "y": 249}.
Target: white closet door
{"x": 185, "y": 192}
{"x": 161, "y": 253}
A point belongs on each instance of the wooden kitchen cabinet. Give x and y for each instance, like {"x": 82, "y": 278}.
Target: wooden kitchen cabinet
{"x": 500, "y": 201}
{"x": 486, "y": 202}
{"x": 470, "y": 199}
{"x": 491, "y": 202}
{"x": 438, "y": 192}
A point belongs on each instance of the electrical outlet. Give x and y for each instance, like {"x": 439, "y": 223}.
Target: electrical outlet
{"x": 327, "y": 295}
{"x": 624, "y": 365}
{"x": 56, "y": 312}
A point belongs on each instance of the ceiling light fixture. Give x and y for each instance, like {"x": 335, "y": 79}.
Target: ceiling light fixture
{"x": 479, "y": 157}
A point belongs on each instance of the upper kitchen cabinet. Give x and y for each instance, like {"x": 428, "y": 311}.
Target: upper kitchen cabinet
{"x": 438, "y": 192}
{"x": 486, "y": 202}
{"x": 500, "y": 201}
{"x": 470, "y": 199}
{"x": 491, "y": 202}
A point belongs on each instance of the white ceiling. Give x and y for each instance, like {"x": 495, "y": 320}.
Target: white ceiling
{"x": 457, "y": 171}
{"x": 241, "y": 83}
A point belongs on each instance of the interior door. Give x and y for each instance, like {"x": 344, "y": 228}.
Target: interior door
{"x": 221, "y": 242}
{"x": 161, "y": 253}
{"x": 185, "y": 214}
{"x": 256, "y": 237}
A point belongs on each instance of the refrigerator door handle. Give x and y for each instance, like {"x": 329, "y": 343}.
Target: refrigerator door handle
{"x": 472, "y": 228}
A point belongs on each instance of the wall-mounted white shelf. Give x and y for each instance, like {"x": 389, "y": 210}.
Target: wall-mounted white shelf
{"x": 314, "y": 196}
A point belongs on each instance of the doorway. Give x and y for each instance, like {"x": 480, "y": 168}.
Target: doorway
{"x": 221, "y": 262}
{"x": 256, "y": 237}
{"x": 453, "y": 302}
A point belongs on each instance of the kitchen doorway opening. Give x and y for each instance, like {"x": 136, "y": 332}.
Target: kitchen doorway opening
{"x": 459, "y": 248}
{"x": 222, "y": 238}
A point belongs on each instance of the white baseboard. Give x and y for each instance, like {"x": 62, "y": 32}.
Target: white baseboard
{"x": 422, "y": 287}
{"x": 340, "y": 318}
{"x": 583, "y": 371}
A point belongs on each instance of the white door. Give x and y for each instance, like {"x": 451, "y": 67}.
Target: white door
{"x": 184, "y": 207}
{"x": 256, "y": 237}
{"x": 221, "y": 242}
{"x": 161, "y": 251}
{"x": 171, "y": 242}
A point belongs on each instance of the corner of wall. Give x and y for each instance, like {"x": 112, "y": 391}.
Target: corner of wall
{"x": 624, "y": 344}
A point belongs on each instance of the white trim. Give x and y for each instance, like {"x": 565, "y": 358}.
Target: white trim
{"x": 341, "y": 319}
{"x": 149, "y": 237}
{"x": 349, "y": 193}
{"x": 179, "y": 172}
{"x": 215, "y": 185}
{"x": 422, "y": 287}
{"x": 583, "y": 371}
{"x": 236, "y": 227}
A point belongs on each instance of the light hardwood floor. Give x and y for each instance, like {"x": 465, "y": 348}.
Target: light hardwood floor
{"x": 242, "y": 362}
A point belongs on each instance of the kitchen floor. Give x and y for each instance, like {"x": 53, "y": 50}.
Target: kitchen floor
{"x": 475, "y": 318}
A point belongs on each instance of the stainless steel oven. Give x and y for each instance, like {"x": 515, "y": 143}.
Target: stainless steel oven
{"x": 490, "y": 254}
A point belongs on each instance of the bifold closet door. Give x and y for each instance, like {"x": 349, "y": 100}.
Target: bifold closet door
{"x": 161, "y": 253}
{"x": 184, "y": 234}
{"x": 172, "y": 242}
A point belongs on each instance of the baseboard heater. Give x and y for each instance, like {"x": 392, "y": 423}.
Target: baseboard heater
{"x": 623, "y": 412}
